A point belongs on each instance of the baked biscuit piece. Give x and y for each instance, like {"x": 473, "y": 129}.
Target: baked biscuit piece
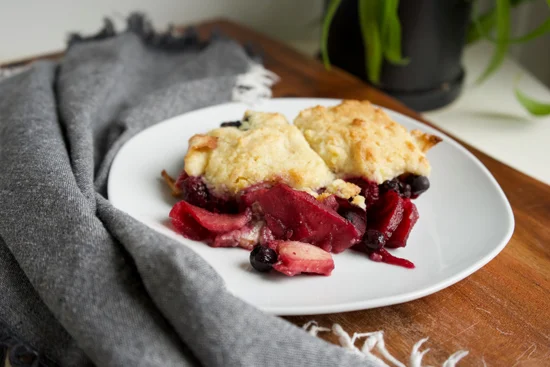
{"x": 357, "y": 139}
{"x": 265, "y": 148}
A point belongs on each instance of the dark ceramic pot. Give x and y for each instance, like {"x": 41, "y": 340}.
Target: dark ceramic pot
{"x": 433, "y": 37}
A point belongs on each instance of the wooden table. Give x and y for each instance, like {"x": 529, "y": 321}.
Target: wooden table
{"x": 501, "y": 314}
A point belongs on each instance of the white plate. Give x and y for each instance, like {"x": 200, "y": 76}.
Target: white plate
{"x": 465, "y": 221}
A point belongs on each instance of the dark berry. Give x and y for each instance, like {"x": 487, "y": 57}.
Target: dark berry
{"x": 374, "y": 240}
{"x": 231, "y": 123}
{"x": 390, "y": 185}
{"x": 405, "y": 190}
{"x": 419, "y": 184}
{"x": 369, "y": 189}
{"x": 357, "y": 217}
{"x": 262, "y": 258}
{"x": 371, "y": 193}
{"x": 195, "y": 191}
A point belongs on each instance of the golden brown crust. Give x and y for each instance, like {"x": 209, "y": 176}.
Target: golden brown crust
{"x": 356, "y": 138}
{"x": 171, "y": 182}
{"x": 353, "y": 139}
{"x": 203, "y": 142}
{"x": 424, "y": 140}
{"x": 343, "y": 189}
{"x": 265, "y": 148}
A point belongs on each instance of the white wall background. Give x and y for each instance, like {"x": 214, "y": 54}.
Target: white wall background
{"x": 30, "y": 27}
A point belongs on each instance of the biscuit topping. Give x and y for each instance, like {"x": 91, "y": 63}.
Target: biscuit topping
{"x": 264, "y": 148}
{"x": 357, "y": 139}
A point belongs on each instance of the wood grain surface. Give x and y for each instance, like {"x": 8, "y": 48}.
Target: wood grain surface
{"x": 501, "y": 313}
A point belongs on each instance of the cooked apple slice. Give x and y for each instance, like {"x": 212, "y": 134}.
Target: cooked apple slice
{"x": 298, "y": 216}
{"x": 386, "y": 215}
{"x": 401, "y": 234}
{"x": 298, "y": 257}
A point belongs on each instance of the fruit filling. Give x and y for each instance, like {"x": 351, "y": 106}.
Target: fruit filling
{"x": 293, "y": 232}
{"x": 341, "y": 177}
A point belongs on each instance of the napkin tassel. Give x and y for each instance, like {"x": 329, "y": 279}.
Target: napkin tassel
{"x": 254, "y": 85}
{"x": 374, "y": 341}
{"x": 170, "y": 40}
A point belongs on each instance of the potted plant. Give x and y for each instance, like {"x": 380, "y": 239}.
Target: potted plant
{"x": 412, "y": 49}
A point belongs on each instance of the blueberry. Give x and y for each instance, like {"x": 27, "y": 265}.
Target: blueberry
{"x": 262, "y": 258}
{"x": 405, "y": 190}
{"x": 390, "y": 185}
{"x": 231, "y": 123}
{"x": 419, "y": 184}
{"x": 402, "y": 188}
{"x": 374, "y": 240}
{"x": 195, "y": 192}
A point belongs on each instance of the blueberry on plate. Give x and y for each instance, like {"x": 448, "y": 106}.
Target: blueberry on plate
{"x": 374, "y": 240}
{"x": 262, "y": 258}
{"x": 419, "y": 184}
{"x": 390, "y": 185}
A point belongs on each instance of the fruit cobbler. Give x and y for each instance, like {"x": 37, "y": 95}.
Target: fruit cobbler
{"x": 338, "y": 178}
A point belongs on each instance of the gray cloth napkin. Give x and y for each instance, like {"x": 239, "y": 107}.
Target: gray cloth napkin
{"x": 82, "y": 282}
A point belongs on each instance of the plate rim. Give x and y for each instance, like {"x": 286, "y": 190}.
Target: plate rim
{"x": 373, "y": 303}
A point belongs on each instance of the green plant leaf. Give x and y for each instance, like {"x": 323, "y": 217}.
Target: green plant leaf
{"x": 482, "y": 26}
{"x": 503, "y": 35}
{"x": 537, "y": 32}
{"x": 372, "y": 42}
{"x": 331, "y": 10}
{"x": 534, "y": 107}
{"x": 391, "y": 32}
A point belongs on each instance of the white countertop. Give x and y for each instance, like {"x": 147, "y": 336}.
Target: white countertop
{"x": 488, "y": 116}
